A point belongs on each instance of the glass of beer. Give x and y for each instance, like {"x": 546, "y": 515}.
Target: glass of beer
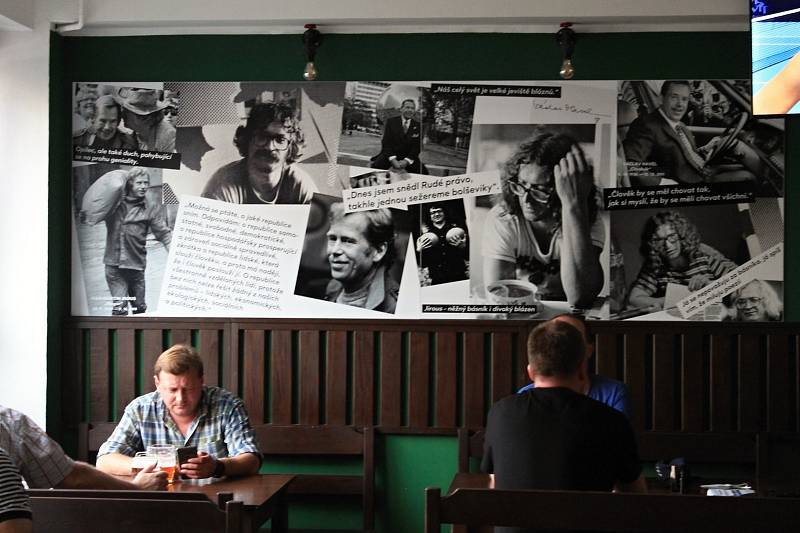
{"x": 166, "y": 455}
{"x": 140, "y": 461}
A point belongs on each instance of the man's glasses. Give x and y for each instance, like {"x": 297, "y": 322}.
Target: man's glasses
{"x": 263, "y": 138}
{"x": 659, "y": 242}
{"x": 746, "y": 302}
{"x": 537, "y": 193}
{"x": 171, "y": 111}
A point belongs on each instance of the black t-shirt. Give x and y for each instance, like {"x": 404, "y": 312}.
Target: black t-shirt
{"x": 557, "y": 439}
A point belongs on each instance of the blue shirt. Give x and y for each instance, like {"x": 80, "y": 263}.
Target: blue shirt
{"x": 221, "y": 428}
{"x": 609, "y": 391}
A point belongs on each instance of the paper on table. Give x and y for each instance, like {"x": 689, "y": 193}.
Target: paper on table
{"x": 675, "y": 293}
{"x": 729, "y": 492}
{"x": 726, "y": 486}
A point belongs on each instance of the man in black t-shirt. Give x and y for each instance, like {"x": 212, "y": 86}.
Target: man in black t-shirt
{"x": 553, "y": 436}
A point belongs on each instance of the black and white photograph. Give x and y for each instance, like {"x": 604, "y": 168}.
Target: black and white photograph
{"x": 441, "y": 242}
{"x": 123, "y": 233}
{"x": 382, "y": 127}
{"x": 125, "y": 125}
{"x": 689, "y": 132}
{"x": 544, "y": 232}
{"x": 510, "y": 212}
{"x": 757, "y": 300}
{"x": 354, "y": 258}
{"x": 257, "y": 143}
{"x": 448, "y": 130}
{"x": 669, "y": 254}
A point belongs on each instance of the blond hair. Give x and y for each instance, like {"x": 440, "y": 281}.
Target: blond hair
{"x": 178, "y": 360}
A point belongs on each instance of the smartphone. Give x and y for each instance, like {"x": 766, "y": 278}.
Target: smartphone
{"x": 184, "y": 454}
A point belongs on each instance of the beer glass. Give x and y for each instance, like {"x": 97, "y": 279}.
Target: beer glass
{"x": 166, "y": 456}
{"x": 140, "y": 461}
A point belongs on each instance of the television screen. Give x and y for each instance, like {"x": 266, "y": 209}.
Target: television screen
{"x": 775, "y": 28}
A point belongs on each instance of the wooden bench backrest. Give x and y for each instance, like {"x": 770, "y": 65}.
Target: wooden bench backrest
{"x": 433, "y": 376}
{"x": 600, "y": 511}
{"x": 730, "y": 448}
{"x": 123, "y": 512}
{"x": 299, "y": 441}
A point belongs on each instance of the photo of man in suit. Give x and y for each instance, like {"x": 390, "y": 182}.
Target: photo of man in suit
{"x": 400, "y": 145}
{"x": 662, "y": 140}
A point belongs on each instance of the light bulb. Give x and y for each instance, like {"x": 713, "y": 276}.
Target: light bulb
{"x": 567, "y": 70}
{"x": 310, "y": 72}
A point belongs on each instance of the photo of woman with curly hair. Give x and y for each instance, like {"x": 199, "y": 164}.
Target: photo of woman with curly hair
{"x": 673, "y": 253}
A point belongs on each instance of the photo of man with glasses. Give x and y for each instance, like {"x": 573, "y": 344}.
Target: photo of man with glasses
{"x": 673, "y": 254}
{"x": 756, "y": 301}
{"x": 270, "y": 143}
{"x": 545, "y": 228}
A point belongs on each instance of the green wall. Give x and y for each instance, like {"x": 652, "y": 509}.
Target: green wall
{"x": 406, "y": 464}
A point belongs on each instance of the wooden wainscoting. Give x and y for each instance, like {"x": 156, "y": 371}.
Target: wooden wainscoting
{"x": 437, "y": 376}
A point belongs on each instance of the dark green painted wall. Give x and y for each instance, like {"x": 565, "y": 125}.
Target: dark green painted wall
{"x": 406, "y": 464}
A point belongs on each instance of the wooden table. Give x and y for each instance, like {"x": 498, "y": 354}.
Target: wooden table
{"x": 753, "y": 513}
{"x": 656, "y": 486}
{"x": 263, "y": 495}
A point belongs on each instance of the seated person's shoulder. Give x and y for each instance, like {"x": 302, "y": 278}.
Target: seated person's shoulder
{"x": 222, "y": 398}
{"x": 144, "y": 405}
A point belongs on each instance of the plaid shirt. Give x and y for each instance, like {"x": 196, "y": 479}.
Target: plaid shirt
{"x": 40, "y": 459}
{"x": 221, "y": 428}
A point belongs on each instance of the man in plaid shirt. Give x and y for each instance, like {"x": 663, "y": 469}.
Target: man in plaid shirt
{"x": 43, "y": 464}
{"x": 184, "y": 412}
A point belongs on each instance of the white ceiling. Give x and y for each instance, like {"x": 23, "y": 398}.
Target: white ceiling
{"x": 16, "y": 15}
{"x": 125, "y": 17}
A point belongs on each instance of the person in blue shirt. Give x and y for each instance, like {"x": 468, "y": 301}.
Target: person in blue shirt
{"x": 605, "y": 390}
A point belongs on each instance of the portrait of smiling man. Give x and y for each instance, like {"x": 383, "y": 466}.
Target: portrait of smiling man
{"x": 360, "y": 250}
{"x": 270, "y": 144}
{"x": 184, "y": 411}
{"x": 105, "y": 132}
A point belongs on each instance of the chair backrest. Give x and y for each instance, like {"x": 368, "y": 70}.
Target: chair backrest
{"x": 604, "y": 511}
{"x": 304, "y": 440}
{"x": 778, "y": 467}
{"x": 91, "y": 435}
{"x": 470, "y": 446}
{"x": 728, "y": 447}
{"x": 74, "y": 511}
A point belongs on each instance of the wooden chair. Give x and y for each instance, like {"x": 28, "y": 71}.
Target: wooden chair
{"x": 91, "y": 435}
{"x": 778, "y": 466}
{"x": 604, "y": 511}
{"x": 105, "y": 511}
{"x": 319, "y": 441}
{"x": 470, "y": 446}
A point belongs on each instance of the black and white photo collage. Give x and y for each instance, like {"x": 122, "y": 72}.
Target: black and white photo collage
{"x": 371, "y": 199}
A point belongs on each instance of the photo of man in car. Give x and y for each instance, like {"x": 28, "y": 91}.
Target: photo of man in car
{"x": 698, "y": 131}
